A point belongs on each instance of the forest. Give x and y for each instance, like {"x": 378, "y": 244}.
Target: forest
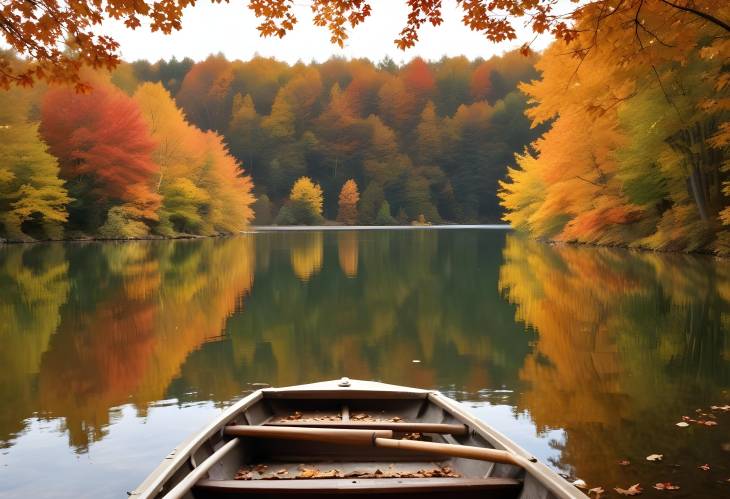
{"x": 181, "y": 148}
{"x": 617, "y": 134}
{"x": 638, "y": 153}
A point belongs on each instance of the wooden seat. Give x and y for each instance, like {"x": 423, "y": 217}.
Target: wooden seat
{"x": 402, "y": 487}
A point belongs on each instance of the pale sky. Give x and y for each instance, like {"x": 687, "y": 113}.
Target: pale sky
{"x": 231, "y": 29}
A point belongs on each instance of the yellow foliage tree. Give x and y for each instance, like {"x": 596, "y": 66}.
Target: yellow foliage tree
{"x": 309, "y": 193}
{"x": 347, "y": 203}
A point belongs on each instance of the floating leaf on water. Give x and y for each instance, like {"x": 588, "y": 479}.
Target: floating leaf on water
{"x": 655, "y": 457}
{"x": 634, "y": 490}
{"x": 724, "y": 408}
{"x": 704, "y": 467}
{"x": 416, "y": 361}
{"x": 666, "y": 486}
{"x": 710, "y": 423}
{"x": 624, "y": 462}
{"x": 682, "y": 424}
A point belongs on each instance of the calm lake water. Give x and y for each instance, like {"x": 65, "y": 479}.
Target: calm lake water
{"x": 112, "y": 353}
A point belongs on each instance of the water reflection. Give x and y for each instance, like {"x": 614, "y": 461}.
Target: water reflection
{"x": 594, "y": 349}
{"x": 135, "y": 312}
{"x": 628, "y": 343}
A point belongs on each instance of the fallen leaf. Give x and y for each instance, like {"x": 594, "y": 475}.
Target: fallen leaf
{"x": 598, "y": 491}
{"x": 581, "y": 484}
{"x": 624, "y": 462}
{"x": 682, "y": 424}
{"x": 655, "y": 457}
{"x": 282, "y": 472}
{"x": 634, "y": 490}
{"x": 704, "y": 467}
{"x": 358, "y": 417}
{"x": 710, "y": 423}
{"x": 724, "y": 408}
{"x": 396, "y": 419}
{"x": 307, "y": 473}
{"x": 666, "y": 486}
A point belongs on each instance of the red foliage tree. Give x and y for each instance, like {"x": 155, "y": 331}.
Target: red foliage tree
{"x": 102, "y": 141}
{"x": 481, "y": 81}
{"x": 419, "y": 79}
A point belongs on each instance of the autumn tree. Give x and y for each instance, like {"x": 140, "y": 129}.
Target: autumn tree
{"x": 309, "y": 193}
{"x": 347, "y": 203}
{"x": 204, "y": 188}
{"x": 32, "y": 196}
{"x": 304, "y": 206}
{"x": 105, "y": 151}
{"x": 204, "y": 94}
{"x": 644, "y": 169}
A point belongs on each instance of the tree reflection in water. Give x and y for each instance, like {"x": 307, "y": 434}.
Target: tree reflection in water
{"x": 609, "y": 346}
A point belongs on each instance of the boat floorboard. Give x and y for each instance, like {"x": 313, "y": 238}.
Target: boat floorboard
{"x": 403, "y": 487}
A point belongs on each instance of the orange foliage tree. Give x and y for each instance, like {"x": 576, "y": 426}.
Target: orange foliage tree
{"x": 347, "y": 203}
{"x": 634, "y": 157}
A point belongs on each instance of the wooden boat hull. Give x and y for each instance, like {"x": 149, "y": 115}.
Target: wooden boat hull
{"x": 206, "y": 465}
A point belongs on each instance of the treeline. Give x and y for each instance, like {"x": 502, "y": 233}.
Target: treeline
{"x": 639, "y": 149}
{"x": 113, "y": 165}
{"x": 167, "y": 148}
{"x": 428, "y": 139}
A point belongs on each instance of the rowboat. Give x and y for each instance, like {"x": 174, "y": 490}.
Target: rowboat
{"x": 350, "y": 438}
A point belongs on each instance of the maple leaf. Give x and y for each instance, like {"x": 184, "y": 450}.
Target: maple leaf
{"x": 634, "y": 490}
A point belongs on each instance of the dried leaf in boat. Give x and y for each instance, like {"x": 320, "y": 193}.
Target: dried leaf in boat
{"x": 596, "y": 490}
{"x": 634, "y": 490}
{"x": 666, "y": 486}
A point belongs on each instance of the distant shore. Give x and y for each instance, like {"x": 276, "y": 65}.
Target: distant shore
{"x": 288, "y": 228}
{"x": 258, "y": 228}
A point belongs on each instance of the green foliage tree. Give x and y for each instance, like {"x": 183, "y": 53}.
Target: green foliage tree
{"x": 370, "y": 201}
{"x": 384, "y": 217}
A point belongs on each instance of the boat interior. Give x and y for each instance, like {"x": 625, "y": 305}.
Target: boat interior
{"x": 261, "y": 467}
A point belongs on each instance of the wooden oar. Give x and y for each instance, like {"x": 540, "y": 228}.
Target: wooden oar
{"x": 465, "y": 451}
{"x": 375, "y": 438}
{"x": 449, "y": 429}
{"x": 356, "y": 437}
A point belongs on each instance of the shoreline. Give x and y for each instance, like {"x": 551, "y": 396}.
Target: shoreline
{"x": 253, "y": 229}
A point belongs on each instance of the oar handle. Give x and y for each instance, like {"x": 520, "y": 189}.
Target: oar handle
{"x": 351, "y": 437}
{"x": 465, "y": 451}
